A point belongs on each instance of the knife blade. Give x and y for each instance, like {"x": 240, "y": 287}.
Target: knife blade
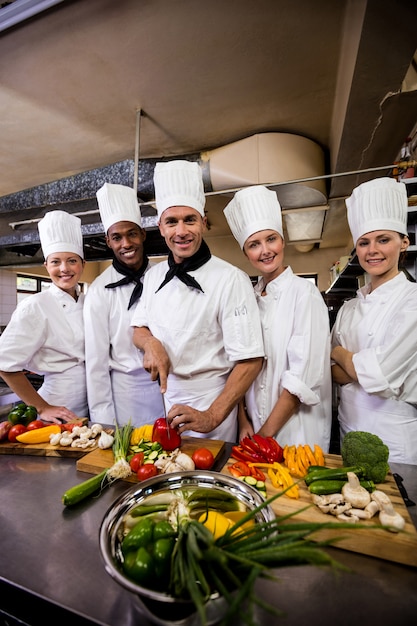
{"x": 399, "y": 480}
{"x": 165, "y": 411}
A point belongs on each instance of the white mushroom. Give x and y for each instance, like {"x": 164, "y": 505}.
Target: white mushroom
{"x": 389, "y": 517}
{"x": 327, "y": 499}
{"x": 348, "y": 517}
{"x": 380, "y": 498}
{"x": 96, "y": 429}
{"x": 81, "y": 442}
{"x": 354, "y": 493}
{"x": 372, "y": 508}
{"x": 66, "y": 439}
{"x": 339, "y": 507}
{"x": 360, "y": 513}
{"x": 55, "y": 438}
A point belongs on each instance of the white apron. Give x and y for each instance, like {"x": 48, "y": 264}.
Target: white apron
{"x": 200, "y": 394}
{"x": 71, "y": 385}
{"x": 135, "y": 397}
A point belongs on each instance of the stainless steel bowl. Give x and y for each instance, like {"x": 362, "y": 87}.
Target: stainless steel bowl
{"x": 160, "y": 607}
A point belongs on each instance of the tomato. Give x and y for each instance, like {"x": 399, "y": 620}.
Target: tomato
{"x": 69, "y": 426}
{"x": 203, "y": 458}
{"x": 16, "y": 430}
{"x": 35, "y": 424}
{"x": 136, "y": 461}
{"x": 147, "y": 470}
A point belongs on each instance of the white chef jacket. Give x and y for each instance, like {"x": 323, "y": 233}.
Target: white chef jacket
{"x": 380, "y": 328}
{"x": 204, "y": 333}
{"x": 46, "y": 335}
{"x": 117, "y": 384}
{"x": 296, "y": 332}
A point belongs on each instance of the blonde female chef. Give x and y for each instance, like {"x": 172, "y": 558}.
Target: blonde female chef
{"x": 374, "y": 338}
{"x": 291, "y": 397}
{"x": 46, "y": 332}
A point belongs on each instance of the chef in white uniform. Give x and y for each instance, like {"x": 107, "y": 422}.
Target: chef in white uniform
{"x": 118, "y": 386}
{"x": 197, "y": 319}
{"x": 375, "y": 334}
{"x": 46, "y": 332}
{"x": 291, "y": 397}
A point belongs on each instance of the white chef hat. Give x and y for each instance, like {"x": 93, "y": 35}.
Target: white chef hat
{"x": 60, "y": 231}
{"x": 179, "y": 183}
{"x": 253, "y": 209}
{"x": 118, "y": 203}
{"x": 379, "y": 204}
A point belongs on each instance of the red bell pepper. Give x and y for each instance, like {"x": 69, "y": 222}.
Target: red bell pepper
{"x": 265, "y": 448}
{"x": 240, "y": 454}
{"x": 257, "y": 473}
{"x": 279, "y": 451}
{"x": 165, "y": 435}
{"x": 240, "y": 469}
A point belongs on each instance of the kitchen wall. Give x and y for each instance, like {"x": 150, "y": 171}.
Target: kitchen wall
{"x": 8, "y": 296}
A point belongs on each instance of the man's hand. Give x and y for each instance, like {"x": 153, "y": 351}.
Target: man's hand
{"x": 186, "y": 418}
{"x": 155, "y": 357}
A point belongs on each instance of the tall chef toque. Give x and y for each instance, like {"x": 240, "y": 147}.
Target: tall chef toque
{"x": 379, "y": 204}
{"x": 60, "y": 232}
{"x": 251, "y": 210}
{"x": 117, "y": 203}
{"x": 179, "y": 183}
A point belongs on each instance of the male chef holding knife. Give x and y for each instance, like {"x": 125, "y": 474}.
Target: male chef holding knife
{"x": 197, "y": 322}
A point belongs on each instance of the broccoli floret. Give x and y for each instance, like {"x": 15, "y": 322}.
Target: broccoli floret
{"x": 366, "y": 449}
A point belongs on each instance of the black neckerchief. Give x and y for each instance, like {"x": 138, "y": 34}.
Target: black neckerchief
{"x": 180, "y": 270}
{"x": 130, "y": 276}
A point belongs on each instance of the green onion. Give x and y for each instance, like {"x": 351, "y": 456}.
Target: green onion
{"x": 119, "y": 470}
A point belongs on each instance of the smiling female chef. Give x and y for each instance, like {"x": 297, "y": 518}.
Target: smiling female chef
{"x": 291, "y": 397}
{"x": 46, "y": 333}
{"x": 375, "y": 335}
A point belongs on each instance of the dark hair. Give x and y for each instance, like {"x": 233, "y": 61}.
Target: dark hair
{"x": 403, "y": 254}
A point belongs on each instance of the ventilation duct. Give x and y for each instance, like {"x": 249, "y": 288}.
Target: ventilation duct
{"x": 273, "y": 159}
{"x": 268, "y": 158}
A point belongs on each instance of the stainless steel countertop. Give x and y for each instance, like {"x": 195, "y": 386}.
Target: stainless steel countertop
{"x": 50, "y": 562}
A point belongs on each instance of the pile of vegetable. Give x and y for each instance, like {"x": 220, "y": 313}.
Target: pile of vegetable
{"x": 119, "y": 470}
{"x": 194, "y": 544}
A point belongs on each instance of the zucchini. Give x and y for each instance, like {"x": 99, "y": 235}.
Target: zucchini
{"x": 325, "y": 487}
{"x": 339, "y": 473}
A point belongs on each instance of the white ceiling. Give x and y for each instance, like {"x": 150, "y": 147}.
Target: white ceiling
{"x": 204, "y": 74}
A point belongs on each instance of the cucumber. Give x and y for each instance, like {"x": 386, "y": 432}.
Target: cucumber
{"x": 250, "y": 480}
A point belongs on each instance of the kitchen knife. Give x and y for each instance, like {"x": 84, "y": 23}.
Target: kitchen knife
{"x": 165, "y": 411}
{"x": 398, "y": 479}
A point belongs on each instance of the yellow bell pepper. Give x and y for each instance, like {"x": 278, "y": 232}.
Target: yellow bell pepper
{"x": 318, "y": 454}
{"x": 216, "y": 522}
{"x": 39, "y": 435}
{"x": 141, "y": 433}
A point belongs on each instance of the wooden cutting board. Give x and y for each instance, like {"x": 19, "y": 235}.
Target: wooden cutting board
{"x": 45, "y": 449}
{"x": 373, "y": 540}
{"x": 96, "y": 461}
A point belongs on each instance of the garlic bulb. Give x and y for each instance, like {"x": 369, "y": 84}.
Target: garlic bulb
{"x": 105, "y": 441}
